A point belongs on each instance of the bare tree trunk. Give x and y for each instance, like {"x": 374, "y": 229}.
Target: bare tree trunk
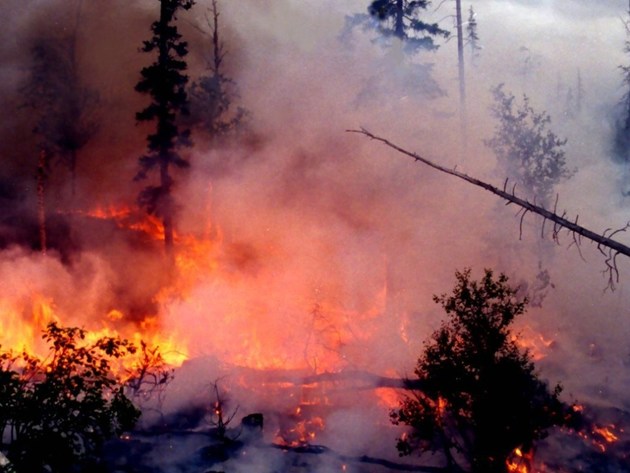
{"x": 41, "y": 208}
{"x": 461, "y": 71}
{"x": 399, "y": 30}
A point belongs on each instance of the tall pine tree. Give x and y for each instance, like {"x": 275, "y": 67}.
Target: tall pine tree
{"x": 165, "y": 82}
{"x": 400, "y": 27}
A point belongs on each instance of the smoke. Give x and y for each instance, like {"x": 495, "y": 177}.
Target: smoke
{"x": 328, "y": 243}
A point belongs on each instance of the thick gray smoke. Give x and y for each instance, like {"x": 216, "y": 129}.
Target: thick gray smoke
{"x": 331, "y": 243}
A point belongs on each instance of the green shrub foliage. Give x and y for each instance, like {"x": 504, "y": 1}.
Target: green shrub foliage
{"x": 56, "y": 412}
{"x": 477, "y": 396}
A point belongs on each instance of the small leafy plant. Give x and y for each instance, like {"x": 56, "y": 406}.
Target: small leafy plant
{"x": 56, "y": 412}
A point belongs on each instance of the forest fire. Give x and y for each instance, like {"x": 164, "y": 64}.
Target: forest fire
{"x": 200, "y": 258}
{"x": 180, "y": 193}
{"x": 128, "y": 218}
{"x": 22, "y": 322}
{"x": 328, "y": 332}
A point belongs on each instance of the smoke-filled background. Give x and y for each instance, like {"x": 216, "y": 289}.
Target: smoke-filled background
{"x": 327, "y": 246}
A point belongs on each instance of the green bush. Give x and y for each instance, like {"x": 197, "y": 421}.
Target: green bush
{"x": 478, "y": 396}
{"x": 56, "y": 412}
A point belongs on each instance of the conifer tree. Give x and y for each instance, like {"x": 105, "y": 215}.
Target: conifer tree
{"x": 212, "y": 108}
{"x": 399, "y": 26}
{"x": 401, "y": 19}
{"x": 165, "y": 82}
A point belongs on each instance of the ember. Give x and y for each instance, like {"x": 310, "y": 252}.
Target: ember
{"x": 519, "y": 461}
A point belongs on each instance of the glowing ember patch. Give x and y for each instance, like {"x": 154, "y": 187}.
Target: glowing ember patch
{"x": 442, "y": 405}
{"x": 519, "y": 461}
{"x": 305, "y": 431}
{"x": 606, "y": 433}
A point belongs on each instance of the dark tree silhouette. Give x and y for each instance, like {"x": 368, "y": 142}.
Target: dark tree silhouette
{"x": 64, "y": 111}
{"x": 56, "y": 412}
{"x": 212, "y": 109}
{"x": 399, "y": 25}
{"x": 481, "y": 398}
{"x": 526, "y": 151}
{"x": 401, "y": 19}
{"x": 165, "y": 82}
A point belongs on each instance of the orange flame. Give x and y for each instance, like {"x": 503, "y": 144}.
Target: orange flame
{"x": 519, "y": 461}
{"x": 535, "y": 342}
{"x": 21, "y": 325}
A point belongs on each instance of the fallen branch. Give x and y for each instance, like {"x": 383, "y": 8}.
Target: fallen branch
{"x": 369, "y": 380}
{"x": 608, "y": 247}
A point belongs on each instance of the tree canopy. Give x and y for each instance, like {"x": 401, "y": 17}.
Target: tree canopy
{"x": 402, "y": 19}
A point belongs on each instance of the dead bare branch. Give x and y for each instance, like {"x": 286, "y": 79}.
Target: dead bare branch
{"x": 605, "y": 244}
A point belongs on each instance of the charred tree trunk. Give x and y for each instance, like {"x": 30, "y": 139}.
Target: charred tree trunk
{"x": 461, "y": 71}
{"x": 165, "y": 82}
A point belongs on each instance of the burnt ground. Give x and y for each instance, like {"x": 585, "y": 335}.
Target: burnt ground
{"x": 189, "y": 441}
